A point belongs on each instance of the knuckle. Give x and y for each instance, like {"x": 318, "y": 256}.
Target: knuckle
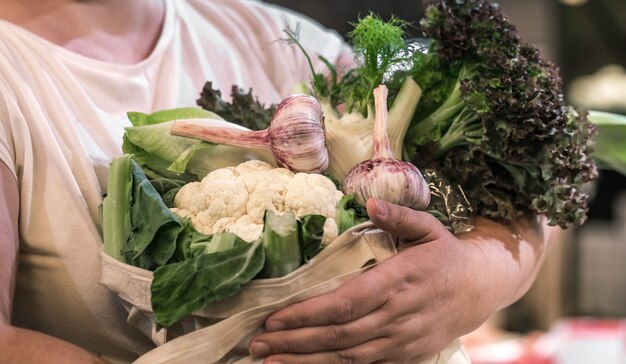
{"x": 361, "y": 355}
{"x": 332, "y": 337}
{"x": 401, "y": 217}
{"x": 347, "y": 357}
{"x": 298, "y": 318}
{"x": 345, "y": 309}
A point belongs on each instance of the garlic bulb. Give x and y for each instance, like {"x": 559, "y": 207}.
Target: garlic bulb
{"x": 383, "y": 176}
{"x": 295, "y": 136}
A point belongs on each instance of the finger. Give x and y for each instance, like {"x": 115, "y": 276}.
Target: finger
{"x": 369, "y": 352}
{"x": 354, "y": 299}
{"x": 405, "y": 223}
{"x": 320, "y": 338}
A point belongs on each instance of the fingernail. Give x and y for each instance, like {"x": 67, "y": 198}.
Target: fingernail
{"x": 274, "y": 326}
{"x": 381, "y": 207}
{"x": 259, "y": 349}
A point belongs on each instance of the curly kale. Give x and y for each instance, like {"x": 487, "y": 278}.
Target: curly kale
{"x": 244, "y": 109}
{"x": 493, "y": 118}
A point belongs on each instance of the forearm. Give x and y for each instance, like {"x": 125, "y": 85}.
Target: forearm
{"x": 508, "y": 257}
{"x": 25, "y": 346}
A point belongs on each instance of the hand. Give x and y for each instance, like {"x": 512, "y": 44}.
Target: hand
{"x": 403, "y": 310}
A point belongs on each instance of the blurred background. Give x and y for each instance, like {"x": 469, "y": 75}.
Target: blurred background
{"x": 576, "y": 311}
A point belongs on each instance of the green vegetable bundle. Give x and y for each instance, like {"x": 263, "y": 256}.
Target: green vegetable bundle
{"x": 490, "y": 118}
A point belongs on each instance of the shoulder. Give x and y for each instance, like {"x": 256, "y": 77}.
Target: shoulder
{"x": 259, "y": 26}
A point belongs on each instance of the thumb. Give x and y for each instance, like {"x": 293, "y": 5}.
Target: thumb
{"x": 407, "y": 224}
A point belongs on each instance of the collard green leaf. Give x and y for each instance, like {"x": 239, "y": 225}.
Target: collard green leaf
{"x": 311, "y": 235}
{"x": 154, "y": 227}
{"x": 181, "y": 288}
{"x": 216, "y": 243}
{"x": 116, "y": 221}
{"x": 281, "y": 241}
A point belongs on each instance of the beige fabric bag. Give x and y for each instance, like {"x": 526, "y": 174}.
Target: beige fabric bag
{"x": 219, "y": 333}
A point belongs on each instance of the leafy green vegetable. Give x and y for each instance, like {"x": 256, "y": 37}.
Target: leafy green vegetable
{"x": 503, "y": 131}
{"x": 138, "y": 228}
{"x": 350, "y": 213}
{"x": 244, "y": 109}
{"x": 162, "y": 155}
{"x": 162, "y": 116}
{"x": 116, "y": 207}
{"x": 181, "y": 288}
{"x": 154, "y": 227}
{"x": 215, "y": 243}
{"x": 379, "y": 49}
{"x": 311, "y": 235}
{"x": 491, "y": 118}
{"x": 282, "y": 246}
{"x": 610, "y": 147}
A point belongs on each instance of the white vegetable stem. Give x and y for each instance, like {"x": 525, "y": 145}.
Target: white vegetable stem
{"x": 295, "y": 136}
{"x": 383, "y": 176}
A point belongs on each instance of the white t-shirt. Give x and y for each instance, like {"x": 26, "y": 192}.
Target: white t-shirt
{"x": 61, "y": 122}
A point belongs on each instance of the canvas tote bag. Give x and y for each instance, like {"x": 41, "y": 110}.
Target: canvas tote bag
{"x": 219, "y": 333}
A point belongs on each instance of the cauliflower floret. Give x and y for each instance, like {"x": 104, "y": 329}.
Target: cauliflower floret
{"x": 214, "y": 203}
{"x": 314, "y": 194}
{"x": 235, "y": 199}
{"x": 190, "y": 200}
{"x": 246, "y": 228}
{"x": 269, "y": 192}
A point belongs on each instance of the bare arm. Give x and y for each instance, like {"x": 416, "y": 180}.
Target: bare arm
{"x": 20, "y": 345}
{"x": 408, "y": 308}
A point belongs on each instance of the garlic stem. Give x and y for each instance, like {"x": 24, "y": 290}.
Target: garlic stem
{"x": 295, "y": 137}
{"x": 381, "y": 147}
{"x": 190, "y": 128}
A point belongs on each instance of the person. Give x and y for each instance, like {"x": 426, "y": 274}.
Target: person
{"x": 69, "y": 72}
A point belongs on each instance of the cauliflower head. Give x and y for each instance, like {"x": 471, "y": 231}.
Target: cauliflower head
{"x": 234, "y": 199}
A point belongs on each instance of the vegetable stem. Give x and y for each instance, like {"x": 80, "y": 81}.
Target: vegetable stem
{"x": 256, "y": 139}
{"x": 381, "y": 139}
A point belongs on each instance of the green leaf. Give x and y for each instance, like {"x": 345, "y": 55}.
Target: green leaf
{"x": 610, "y": 141}
{"x": 116, "y": 220}
{"x": 154, "y": 227}
{"x": 153, "y": 166}
{"x": 282, "y": 247}
{"x": 180, "y": 164}
{"x": 215, "y": 243}
{"x": 350, "y": 213}
{"x": 141, "y": 119}
{"x": 168, "y": 155}
{"x": 181, "y": 288}
{"x": 311, "y": 235}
